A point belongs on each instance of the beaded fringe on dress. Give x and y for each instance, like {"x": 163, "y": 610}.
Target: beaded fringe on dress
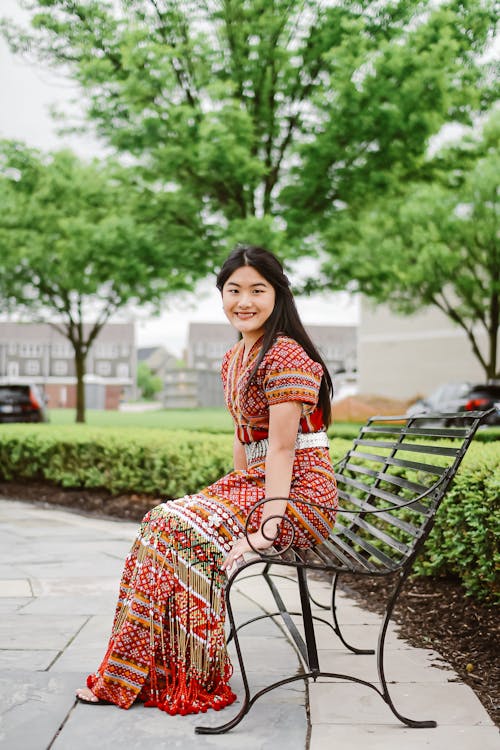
{"x": 168, "y": 645}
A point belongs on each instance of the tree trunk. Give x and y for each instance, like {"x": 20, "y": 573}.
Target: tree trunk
{"x": 493, "y": 336}
{"x": 80, "y": 385}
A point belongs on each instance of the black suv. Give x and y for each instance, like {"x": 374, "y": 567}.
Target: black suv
{"x": 22, "y": 403}
{"x": 453, "y": 397}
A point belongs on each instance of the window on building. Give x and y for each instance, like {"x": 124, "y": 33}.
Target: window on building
{"x": 13, "y": 369}
{"x": 32, "y": 367}
{"x": 122, "y": 371}
{"x": 103, "y": 368}
{"x": 60, "y": 367}
{"x": 106, "y": 351}
{"x": 30, "y": 350}
{"x": 12, "y": 348}
{"x": 61, "y": 350}
{"x": 215, "y": 349}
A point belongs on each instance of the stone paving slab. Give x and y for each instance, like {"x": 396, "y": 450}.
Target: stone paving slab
{"x": 80, "y": 585}
{"x": 33, "y": 707}
{"x": 280, "y": 722}
{"x": 14, "y": 604}
{"x": 35, "y": 660}
{"x": 379, "y": 737}
{"x": 401, "y": 665}
{"x": 54, "y": 634}
{"x": 452, "y": 704}
{"x": 23, "y": 631}
{"x": 15, "y": 587}
{"x": 87, "y": 604}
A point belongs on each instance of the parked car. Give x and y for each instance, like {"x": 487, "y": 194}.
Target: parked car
{"x": 22, "y": 403}
{"x": 453, "y": 397}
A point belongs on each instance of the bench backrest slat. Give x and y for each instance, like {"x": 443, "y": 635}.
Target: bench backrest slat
{"x": 379, "y": 533}
{"x": 416, "y": 432}
{"x": 388, "y": 478}
{"x": 390, "y": 490}
{"x": 362, "y": 543}
{"x": 338, "y": 548}
{"x": 403, "y": 463}
{"x": 365, "y": 506}
{"x": 371, "y": 490}
{"x": 411, "y": 447}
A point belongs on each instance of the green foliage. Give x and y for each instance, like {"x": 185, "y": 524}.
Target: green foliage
{"x": 148, "y": 384}
{"x": 166, "y": 463}
{"x": 464, "y": 540}
{"x": 433, "y": 243}
{"x": 81, "y": 241}
{"x": 169, "y": 464}
{"x": 256, "y": 113}
{"x": 197, "y": 420}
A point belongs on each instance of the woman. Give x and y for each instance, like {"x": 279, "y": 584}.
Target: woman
{"x": 167, "y": 646}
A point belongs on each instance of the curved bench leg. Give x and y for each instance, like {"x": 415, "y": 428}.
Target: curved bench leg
{"x": 425, "y": 724}
{"x": 246, "y": 701}
{"x": 336, "y": 624}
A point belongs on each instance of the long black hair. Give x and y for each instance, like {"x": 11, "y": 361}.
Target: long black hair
{"x": 284, "y": 317}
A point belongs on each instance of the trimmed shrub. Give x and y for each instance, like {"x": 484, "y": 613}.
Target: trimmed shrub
{"x": 169, "y": 464}
{"x": 464, "y": 539}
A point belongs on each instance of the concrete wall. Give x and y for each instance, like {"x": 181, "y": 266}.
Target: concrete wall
{"x": 406, "y": 356}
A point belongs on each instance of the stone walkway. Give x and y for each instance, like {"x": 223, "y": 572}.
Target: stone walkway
{"x": 58, "y": 580}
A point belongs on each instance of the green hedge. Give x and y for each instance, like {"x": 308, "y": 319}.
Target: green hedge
{"x": 154, "y": 462}
{"x": 169, "y": 464}
{"x": 463, "y": 541}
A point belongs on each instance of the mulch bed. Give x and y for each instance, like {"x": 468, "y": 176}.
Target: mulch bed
{"x": 432, "y": 612}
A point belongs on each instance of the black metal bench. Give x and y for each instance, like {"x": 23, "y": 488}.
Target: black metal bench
{"x": 391, "y": 484}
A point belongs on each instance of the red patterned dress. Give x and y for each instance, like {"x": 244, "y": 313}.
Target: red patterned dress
{"x": 167, "y": 646}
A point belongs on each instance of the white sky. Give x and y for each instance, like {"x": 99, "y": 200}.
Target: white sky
{"x": 27, "y": 92}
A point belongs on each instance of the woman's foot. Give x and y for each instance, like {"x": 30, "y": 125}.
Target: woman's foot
{"x": 85, "y": 695}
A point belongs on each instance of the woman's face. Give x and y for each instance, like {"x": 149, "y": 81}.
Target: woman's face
{"x": 248, "y": 301}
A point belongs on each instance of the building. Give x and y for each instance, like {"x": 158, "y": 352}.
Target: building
{"x": 207, "y": 343}
{"x": 404, "y": 357}
{"x": 157, "y": 358}
{"x": 186, "y": 388}
{"x": 199, "y": 384}
{"x": 338, "y": 347}
{"x": 37, "y": 353}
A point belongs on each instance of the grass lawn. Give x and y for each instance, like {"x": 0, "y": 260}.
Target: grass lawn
{"x": 201, "y": 420}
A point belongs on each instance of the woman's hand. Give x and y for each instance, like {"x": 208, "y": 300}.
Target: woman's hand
{"x": 255, "y": 541}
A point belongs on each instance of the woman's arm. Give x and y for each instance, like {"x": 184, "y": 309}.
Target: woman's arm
{"x": 283, "y": 428}
{"x": 239, "y": 457}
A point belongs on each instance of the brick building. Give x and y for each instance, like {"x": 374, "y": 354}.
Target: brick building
{"x": 37, "y": 353}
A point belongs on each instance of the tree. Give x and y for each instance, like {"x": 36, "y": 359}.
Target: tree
{"x": 81, "y": 241}
{"x": 432, "y": 243}
{"x": 148, "y": 383}
{"x": 267, "y": 114}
